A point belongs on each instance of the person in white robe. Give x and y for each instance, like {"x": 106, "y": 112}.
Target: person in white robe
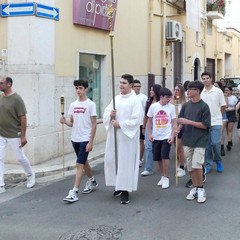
{"x": 126, "y": 119}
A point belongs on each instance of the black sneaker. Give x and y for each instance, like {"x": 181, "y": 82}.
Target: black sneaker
{"x": 229, "y": 146}
{"x": 117, "y": 193}
{"x": 189, "y": 184}
{"x": 124, "y": 197}
{"x": 223, "y": 152}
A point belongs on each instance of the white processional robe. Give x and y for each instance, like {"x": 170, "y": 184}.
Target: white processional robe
{"x": 129, "y": 115}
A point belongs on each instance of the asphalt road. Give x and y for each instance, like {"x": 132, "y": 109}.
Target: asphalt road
{"x": 152, "y": 214}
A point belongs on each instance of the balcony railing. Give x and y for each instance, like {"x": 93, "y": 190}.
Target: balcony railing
{"x": 216, "y": 10}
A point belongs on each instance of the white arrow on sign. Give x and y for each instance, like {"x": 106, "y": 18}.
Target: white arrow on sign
{"x": 51, "y": 12}
{"x": 8, "y": 10}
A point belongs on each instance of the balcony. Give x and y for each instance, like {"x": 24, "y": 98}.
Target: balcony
{"x": 216, "y": 10}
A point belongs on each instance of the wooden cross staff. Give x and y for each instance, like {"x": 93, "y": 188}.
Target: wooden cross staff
{"x": 176, "y": 139}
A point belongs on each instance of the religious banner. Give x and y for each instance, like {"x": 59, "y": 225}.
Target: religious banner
{"x": 93, "y": 13}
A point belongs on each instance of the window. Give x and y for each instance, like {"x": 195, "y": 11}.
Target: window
{"x": 90, "y": 70}
{"x": 209, "y": 27}
{"x": 198, "y": 41}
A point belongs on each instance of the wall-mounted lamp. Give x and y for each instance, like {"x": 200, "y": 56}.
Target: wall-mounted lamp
{"x": 187, "y": 59}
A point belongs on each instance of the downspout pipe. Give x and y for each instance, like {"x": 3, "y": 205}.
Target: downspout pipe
{"x": 163, "y": 50}
{"x": 150, "y": 36}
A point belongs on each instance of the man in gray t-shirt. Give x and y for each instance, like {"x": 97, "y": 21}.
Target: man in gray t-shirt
{"x": 13, "y": 124}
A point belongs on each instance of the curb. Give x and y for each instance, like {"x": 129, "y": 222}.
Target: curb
{"x": 16, "y": 177}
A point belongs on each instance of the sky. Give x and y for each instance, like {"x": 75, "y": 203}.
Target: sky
{"x": 232, "y": 16}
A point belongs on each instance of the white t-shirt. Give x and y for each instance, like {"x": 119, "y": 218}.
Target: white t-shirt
{"x": 162, "y": 116}
{"x": 143, "y": 99}
{"x": 82, "y": 111}
{"x": 232, "y": 101}
{"x": 215, "y": 100}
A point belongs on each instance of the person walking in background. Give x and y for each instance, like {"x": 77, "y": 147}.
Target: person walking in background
{"x": 195, "y": 120}
{"x": 154, "y": 97}
{"x": 83, "y": 122}
{"x": 218, "y": 84}
{"x": 143, "y": 98}
{"x": 231, "y": 115}
{"x": 178, "y": 100}
{"x": 214, "y": 97}
{"x": 13, "y": 124}
{"x": 223, "y": 82}
{"x": 185, "y": 85}
{"x": 162, "y": 121}
{"x": 238, "y": 118}
{"x": 125, "y": 120}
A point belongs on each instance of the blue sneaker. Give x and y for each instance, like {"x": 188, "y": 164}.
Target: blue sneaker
{"x": 219, "y": 167}
{"x": 208, "y": 169}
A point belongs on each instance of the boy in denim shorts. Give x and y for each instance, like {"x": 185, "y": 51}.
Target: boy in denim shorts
{"x": 162, "y": 121}
{"x": 83, "y": 122}
{"x": 195, "y": 119}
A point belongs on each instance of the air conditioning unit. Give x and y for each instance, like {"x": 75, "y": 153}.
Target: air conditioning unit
{"x": 173, "y": 31}
{"x": 179, "y": 3}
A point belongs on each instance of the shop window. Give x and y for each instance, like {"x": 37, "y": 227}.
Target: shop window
{"x": 90, "y": 70}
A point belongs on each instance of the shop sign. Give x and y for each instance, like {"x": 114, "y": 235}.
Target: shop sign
{"x": 92, "y": 13}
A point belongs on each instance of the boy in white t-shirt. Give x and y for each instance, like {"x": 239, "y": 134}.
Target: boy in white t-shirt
{"x": 83, "y": 122}
{"x": 162, "y": 117}
{"x": 143, "y": 98}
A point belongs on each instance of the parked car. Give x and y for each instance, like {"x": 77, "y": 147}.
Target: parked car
{"x": 233, "y": 82}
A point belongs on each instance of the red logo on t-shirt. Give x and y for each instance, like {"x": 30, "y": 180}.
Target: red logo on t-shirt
{"x": 79, "y": 110}
{"x": 161, "y": 119}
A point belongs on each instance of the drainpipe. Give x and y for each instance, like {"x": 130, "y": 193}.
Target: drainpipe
{"x": 205, "y": 35}
{"x": 163, "y": 53}
{"x": 150, "y": 36}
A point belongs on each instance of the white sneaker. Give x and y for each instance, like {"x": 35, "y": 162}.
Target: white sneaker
{"x": 160, "y": 182}
{"x": 201, "y": 195}
{"x": 146, "y": 173}
{"x": 165, "y": 182}
{"x": 31, "y": 180}
{"x": 192, "y": 194}
{"x": 181, "y": 172}
{"x": 2, "y": 189}
{"x": 71, "y": 197}
{"x": 140, "y": 163}
{"x": 90, "y": 186}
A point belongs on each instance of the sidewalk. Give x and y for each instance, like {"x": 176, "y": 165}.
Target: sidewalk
{"x": 15, "y": 173}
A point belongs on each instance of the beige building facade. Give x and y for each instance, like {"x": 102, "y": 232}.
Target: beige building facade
{"x": 151, "y": 41}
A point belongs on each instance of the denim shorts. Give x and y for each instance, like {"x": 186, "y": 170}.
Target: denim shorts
{"x": 80, "y": 150}
{"x": 231, "y": 116}
{"x": 224, "y": 117}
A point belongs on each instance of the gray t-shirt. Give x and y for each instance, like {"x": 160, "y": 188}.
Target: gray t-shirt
{"x": 11, "y": 108}
{"x": 198, "y": 112}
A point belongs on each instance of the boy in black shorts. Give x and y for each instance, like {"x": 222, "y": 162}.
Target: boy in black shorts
{"x": 162, "y": 119}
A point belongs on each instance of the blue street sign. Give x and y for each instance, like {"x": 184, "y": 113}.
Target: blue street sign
{"x": 17, "y": 9}
{"x": 47, "y": 11}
